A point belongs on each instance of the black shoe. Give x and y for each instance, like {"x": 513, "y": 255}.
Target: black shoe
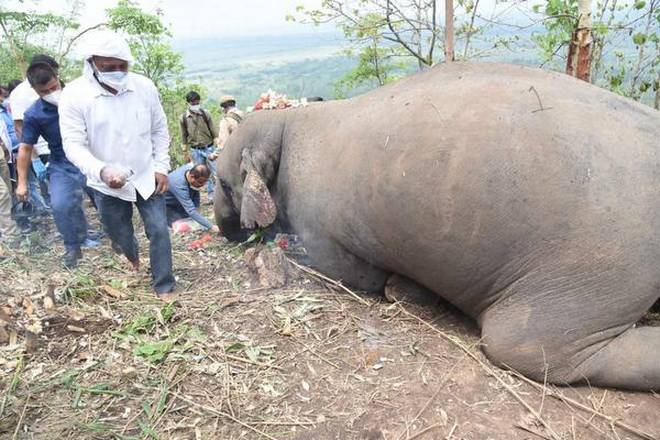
{"x": 70, "y": 259}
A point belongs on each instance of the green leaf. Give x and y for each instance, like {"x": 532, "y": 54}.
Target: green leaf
{"x": 639, "y": 4}
{"x": 237, "y": 346}
{"x": 639, "y": 38}
{"x": 253, "y": 353}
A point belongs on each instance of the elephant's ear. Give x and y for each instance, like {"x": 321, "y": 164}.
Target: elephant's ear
{"x": 257, "y": 206}
{"x": 259, "y": 166}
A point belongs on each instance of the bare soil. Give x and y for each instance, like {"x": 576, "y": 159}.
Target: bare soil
{"x": 92, "y": 354}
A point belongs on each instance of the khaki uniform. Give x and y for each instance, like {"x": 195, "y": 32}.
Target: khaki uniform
{"x": 8, "y": 228}
{"x": 228, "y": 124}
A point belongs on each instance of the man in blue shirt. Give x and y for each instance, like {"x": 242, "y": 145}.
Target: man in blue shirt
{"x": 67, "y": 183}
{"x": 182, "y": 196}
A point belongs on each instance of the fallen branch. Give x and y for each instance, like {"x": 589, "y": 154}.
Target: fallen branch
{"x": 337, "y": 284}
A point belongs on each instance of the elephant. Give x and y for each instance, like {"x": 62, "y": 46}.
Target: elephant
{"x": 525, "y": 198}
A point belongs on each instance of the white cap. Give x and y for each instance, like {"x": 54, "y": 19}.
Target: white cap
{"x": 108, "y": 44}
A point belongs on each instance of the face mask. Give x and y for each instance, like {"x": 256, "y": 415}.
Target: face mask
{"x": 116, "y": 80}
{"x": 53, "y": 97}
{"x": 195, "y": 108}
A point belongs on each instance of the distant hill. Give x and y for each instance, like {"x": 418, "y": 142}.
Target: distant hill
{"x": 297, "y": 65}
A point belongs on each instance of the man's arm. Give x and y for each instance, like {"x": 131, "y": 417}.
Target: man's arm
{"x": 18, "y": 128}
{"x": 223, "y": 133}
{"x": 184, "y": 130}
{"x": 74, "y": 138}
{"x": 23, "y": 170}
{"x": 212, "y": 126}
{"x": 183, "y": 196}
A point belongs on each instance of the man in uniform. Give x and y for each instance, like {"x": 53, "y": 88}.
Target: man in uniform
{"x": 229, "y": 122}
{"x": 8, "y": 231}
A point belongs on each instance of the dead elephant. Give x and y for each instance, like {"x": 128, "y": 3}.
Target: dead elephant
{"x": 526, "y": 198}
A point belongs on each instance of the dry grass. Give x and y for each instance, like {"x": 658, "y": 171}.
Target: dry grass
{"x": 92, "y": 354}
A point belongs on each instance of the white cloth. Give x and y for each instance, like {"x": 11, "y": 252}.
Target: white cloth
{"x": 21, "y": 98}
{"x": 127, "y": 129}
{"x": 5, "y": 141}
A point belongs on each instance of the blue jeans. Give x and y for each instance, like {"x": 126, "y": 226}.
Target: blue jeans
{"x": 117, "y": 218}
{"x": 67, "y": 185}
{"x": 35, "y": 192}
{"x": 199, "y": 156}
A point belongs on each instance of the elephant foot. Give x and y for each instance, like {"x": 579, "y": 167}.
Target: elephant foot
{"x": 399, "y": 288}
{"x": 631, "y": 360}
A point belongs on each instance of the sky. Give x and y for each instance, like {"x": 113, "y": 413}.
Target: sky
{"x": 197, "y": 18}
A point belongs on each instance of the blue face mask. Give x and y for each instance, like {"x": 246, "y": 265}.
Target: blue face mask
{"x": 116, "y": 80}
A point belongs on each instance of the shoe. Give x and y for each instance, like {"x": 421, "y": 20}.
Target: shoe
{"x": 70, "y": 259}
{"x": 90, "y": 243}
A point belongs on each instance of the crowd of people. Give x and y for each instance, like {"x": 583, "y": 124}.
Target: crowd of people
{"x": 104, "y": 137}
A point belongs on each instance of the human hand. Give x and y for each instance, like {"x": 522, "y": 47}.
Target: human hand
{"x": 161, "y": 183}
{"x": 186, "y": 153}
{"x": 212, "y": 156}
{"x": 215, "y": 229}
{"x": 22, "y": 192}
{"x": 113, "y": 177}
{"x": 39, "y": 169}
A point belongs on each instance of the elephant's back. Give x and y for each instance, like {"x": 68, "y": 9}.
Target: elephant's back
{"x": 466, "y": 163}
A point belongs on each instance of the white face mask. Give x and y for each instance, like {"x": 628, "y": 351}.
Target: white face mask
{"x": 117, "y": 79}
{"x": 195, "y": 108}
{"x": 53, "y": 97}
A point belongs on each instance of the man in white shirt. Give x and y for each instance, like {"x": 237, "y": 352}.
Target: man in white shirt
{"x": 114, "y": 130}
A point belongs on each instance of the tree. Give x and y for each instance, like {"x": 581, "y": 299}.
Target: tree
{"x": 624, "y": 51}
{"x": 147, "y": 37}
{"x": 578, "y": 61}
{"x": 411, "y": 25}
{"x": 19, "y": 30}
{"x": 375, "y": 60}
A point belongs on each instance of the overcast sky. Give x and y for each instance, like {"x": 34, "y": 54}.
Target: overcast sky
{"x": 198, "y": 18}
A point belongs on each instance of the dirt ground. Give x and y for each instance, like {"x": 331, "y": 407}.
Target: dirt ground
{"x": 92, "y": 354}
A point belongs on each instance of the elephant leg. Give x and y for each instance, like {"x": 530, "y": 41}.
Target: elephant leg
{"x": 548, "y": 346}
{"x": 572, "y": 320}
{"x": 400, "y": 288}
{"x": 631, "y": 360}
{"x": 337, "y": 262}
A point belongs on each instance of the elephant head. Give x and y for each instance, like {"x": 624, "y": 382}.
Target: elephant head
{"x": 247, "y": 167}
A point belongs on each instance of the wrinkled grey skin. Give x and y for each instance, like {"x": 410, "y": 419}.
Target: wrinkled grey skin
{"x": 537, "y": 216}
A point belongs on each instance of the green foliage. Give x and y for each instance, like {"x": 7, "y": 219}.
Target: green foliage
{"x": 374, "y": 67}
{"x": 625, "y": 54}
{"x": 153, "y": 351}
{"x": 147, "y": 35}
{"x": 18, "y": 42}
{"x": 561, "y": 19}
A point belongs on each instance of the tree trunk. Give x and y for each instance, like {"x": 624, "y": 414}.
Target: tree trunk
{"x": 578, "y": 63}
{"x": 449, "y": 31}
